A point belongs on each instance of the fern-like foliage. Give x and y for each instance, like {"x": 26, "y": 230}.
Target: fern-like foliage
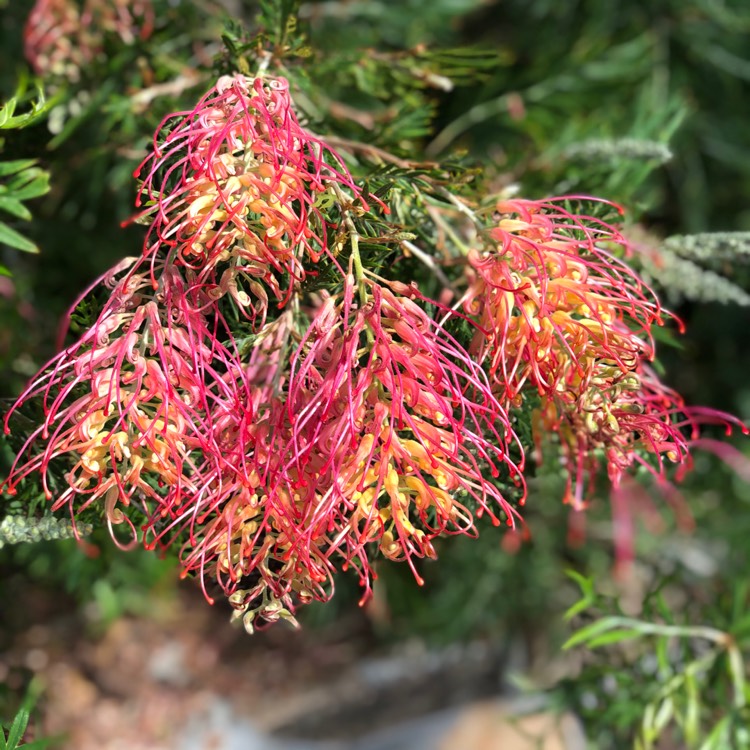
{"x": 21, "y": 180}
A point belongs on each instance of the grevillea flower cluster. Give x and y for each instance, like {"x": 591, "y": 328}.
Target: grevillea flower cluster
{"x": 563, "y": 319}
{"x": 233, "y": 189}
{"x": 63, "y": 36}
{"x": 276, "y": 429}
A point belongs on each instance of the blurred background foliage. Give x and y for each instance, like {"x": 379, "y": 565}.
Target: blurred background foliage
{"x": 641, "y": 102}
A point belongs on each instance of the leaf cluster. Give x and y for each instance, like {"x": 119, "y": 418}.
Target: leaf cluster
{"x": 674, "y": 681}
{"x": 17, "y": 728}
{"x": 20, "y": 179}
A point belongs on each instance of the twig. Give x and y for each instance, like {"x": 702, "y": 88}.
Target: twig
{"x": 377, "y": 154}
{"x": 428, "y": 261}
{"x": 143, "y": 98}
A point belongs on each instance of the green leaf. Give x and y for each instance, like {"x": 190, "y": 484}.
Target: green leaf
{"x": 614, "y": 636}
{"x": 741, "y": 625}
{"x": 663, "y": 716}
{"x": 6, "y": 111}
{"x": 42, "y": 742}
{"x": 18, "y": 165}
{"x": 17, "y": 729}
{"x": 39, "y": 107}
{"x": 39, "y": 185}
{"x": 590, "y": 632}
{"x": 587, "y": 590}
{"x": 692, "y": 708}
{"x": 662, "y": 656}
{"x": 20, "y": 724}
{"x": 14, "y": 207}
{"x": 12, "y": 238}
{"x": 667, "y": 337}
{"x": 719, "y": 737}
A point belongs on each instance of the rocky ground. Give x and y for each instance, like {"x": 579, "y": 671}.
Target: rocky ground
{"x": 180, "y": 677}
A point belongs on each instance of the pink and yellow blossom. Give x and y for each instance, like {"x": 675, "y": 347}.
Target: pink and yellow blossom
{"x": 560, "y": 315}
{"x": 62, "y": 37}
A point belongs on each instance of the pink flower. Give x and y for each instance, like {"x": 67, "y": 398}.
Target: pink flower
{"x": 552, "y": 303}
{"x": 155, "y": 406}
{"x": 368, "y": 440}
{"x": 61, "y": 37}
{"x": 127, "y": 407}
{"x": 562, "y": 316}
{"x": 392, "y": 422}
{"x": 240, "y": 526}
{"x": 233, "y": 189}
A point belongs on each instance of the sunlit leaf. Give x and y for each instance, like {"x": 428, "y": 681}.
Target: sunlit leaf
{"x": 12, "y": 238}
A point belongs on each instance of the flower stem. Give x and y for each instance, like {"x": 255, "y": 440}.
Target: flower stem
{"x": 359, "y": 271}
